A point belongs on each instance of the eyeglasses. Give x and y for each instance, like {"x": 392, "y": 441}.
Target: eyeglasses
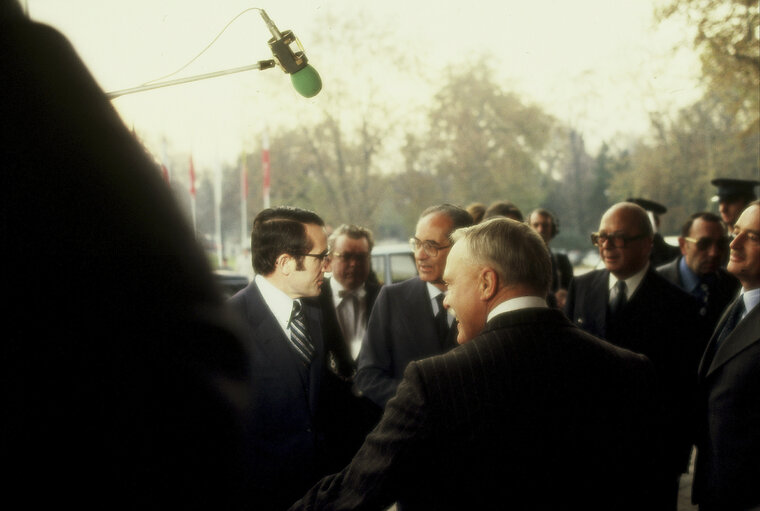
{"x": 618, "y": 240}
{"x": 347, "y": 257}
{"x": 321, "y": 256}
{"x": 705, "y": 243}
{"x": 754, "y": 237}
{"x": 430, "y": 248}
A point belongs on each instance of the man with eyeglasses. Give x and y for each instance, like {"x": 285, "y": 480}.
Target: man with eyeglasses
{"x": 348, "y": 294}
{"x": 346, "y": 299}
{"x": 408, "y": 321}
{"x": 632, "y": 306}
{"x": 704, "y": 246}
{"x": 296, "y": 424}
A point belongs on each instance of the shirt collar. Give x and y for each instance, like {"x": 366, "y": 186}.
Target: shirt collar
{"x": 513, "y": 304}
{"x": 751, "y": 298}
{"x": 631, "y": 283}
{"x": 433, "y": 291}
{"x": 689, "y": 279}
{"x": 337, "y": 287}
{"x": 278, "y": 302}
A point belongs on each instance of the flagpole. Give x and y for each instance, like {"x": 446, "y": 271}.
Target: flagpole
{"x": 265, "y": 167}
{"x": 243, "y": 202}
{"x": 218, "y": 215}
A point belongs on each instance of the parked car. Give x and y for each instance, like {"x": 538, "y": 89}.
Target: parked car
{"x": 393, "y": 262}
{"x": 230, "y": 282}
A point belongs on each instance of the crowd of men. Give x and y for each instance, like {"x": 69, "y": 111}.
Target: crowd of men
{"x": 494, "y": 378}
{"x": 495, "y": 369}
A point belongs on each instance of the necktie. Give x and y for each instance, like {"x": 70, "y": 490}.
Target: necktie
{"x": 733, "y": 319}
{"x": 618, "y": 301}
{"x": 299, "y": 335}
{"x": 441, "y": 319}
{"x": 347, "y": 297}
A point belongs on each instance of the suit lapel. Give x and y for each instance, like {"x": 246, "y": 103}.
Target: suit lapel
{"x": 270, "y": 338}
{"x": 744, "y": 335}
{"x": 313, "y": 318}
{"x": 598, "y": 297}
{"x": 418, "y": 307}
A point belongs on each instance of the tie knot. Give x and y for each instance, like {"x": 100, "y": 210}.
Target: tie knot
{"x": 439, "y": 299}
{"x": 620, "y": 286}
{"x": 343, "y": 293}
{"x": 297, "y": 311}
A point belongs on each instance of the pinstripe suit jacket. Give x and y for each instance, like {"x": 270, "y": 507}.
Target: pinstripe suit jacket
{"x": 533, "y": 413}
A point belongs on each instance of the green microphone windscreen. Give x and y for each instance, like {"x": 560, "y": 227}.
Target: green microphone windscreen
{"x": 306, "y": 81}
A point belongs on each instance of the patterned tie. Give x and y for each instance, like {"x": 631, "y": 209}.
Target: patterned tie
{"x": 733, "y": 319}
{"x": 618, "y": 302}
{"x": 299, "y": 335}
{"x": 442, "y": 320}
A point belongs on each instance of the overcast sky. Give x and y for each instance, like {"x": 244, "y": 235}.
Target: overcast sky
{"x": 599, "y": 65}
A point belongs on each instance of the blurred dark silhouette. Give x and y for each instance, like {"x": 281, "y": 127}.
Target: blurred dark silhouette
{"x": 124, "y": 383}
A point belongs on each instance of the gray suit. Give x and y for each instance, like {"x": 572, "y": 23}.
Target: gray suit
{"x": 728, "y": 446}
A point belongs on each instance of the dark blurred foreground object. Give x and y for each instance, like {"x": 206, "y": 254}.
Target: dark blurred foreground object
{"x": 124, "y": 386}
{"x": 662, "y": 251}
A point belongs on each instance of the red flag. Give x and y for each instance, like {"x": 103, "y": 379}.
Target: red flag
{"x": 192, "y": 177}
{"x": 165, "y": 172}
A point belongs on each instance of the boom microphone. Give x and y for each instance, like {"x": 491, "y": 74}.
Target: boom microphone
{"x": 305, "y": 79}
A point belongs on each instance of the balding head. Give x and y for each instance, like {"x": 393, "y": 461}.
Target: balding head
{"x": 625, "y": 239}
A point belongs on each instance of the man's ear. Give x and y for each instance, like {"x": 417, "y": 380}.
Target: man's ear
{"x": 488, "y": 284}
{"x": 682, "y": 245}
{"x": 285, "y": 264}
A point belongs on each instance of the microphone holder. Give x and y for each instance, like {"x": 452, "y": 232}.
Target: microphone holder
{"x": 260, "y": 65}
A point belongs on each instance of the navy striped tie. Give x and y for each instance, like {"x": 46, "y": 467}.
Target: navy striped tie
{"x": 299, "y": 336}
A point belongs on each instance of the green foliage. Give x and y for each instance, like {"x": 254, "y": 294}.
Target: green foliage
{"x": 728, "y": 36}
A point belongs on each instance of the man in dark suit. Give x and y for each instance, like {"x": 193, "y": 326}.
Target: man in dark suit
{"x": 546, "y": 225}
{"x": 704, "y": 245}
{"x": 346, "y": 300}
{"x": 408, "y": 321}
{"x": 727, "y": 468}
{"x": 530, "y": 412}
{"x": 296, "y": 425}
{"x": 632, "y": 306}
{"x": 124, "y": 384}
{"x": 348, "y": 295}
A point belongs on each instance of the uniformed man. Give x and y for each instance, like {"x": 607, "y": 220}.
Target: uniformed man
{"x": 732, "y": 197}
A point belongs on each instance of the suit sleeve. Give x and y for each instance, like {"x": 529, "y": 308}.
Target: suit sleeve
{"x": 390, "y": 456}
{"x": 374, "y": 376}
{"x": 570, "y": 300}
{"x": 565, "y": 271}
